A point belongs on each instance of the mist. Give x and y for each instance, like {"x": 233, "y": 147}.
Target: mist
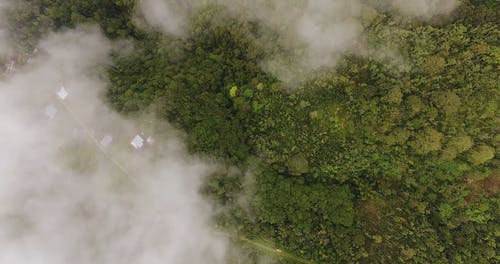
{"x": 4, "y": 45}
{"x": 318, "y": 32}
{"x": 68, "y": 195}
{"x": 72, "y": 187}
{"x": 167, "y": 16}
{"x": 424, "y": 9}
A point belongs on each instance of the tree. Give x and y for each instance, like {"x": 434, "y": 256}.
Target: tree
{"x": 398, "y": 136}
{"x": 414, "y": 105}
{"x": 448, "y": 102}
{"x": 298, "y": 165}
{"x": 434, "y": 65}
{"x": 456, "y": 146}
{"x": 481, "y": 154}
{"x": 394, "y": 96}
{"x": 426, "y": 141}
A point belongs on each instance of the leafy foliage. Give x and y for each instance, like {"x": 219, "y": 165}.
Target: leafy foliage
{"x": 367, "y": 162}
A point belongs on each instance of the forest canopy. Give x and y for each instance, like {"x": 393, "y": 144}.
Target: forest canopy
{"x": 376, "y": 159}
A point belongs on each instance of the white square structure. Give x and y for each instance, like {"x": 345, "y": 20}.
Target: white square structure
{"x": 62, "y": 93}
{"x": 137, "y": 142}
{"x": 106, "y": 141}
{"x": 51, "y": 111}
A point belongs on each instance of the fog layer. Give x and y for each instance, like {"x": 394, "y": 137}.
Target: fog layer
{"x": 66, "y": 197}
{"x": 320, "y": 31}
{"x": 3, "y": 30}
{"x": 424, "y": 8}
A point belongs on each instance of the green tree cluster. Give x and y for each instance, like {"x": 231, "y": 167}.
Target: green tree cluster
{"x": 373, "y": 161}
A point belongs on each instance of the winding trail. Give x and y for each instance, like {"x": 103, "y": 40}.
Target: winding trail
{"x": 275, "y": 252}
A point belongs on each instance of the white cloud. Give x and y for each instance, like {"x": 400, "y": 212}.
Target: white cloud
{"x": 424, "y": 8}
{"x": 62, "y": 200}
{"x": 168, "y": 16}
{"x": 320, "y": 31}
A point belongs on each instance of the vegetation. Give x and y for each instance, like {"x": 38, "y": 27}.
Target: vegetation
{"x": 366, "y": 162}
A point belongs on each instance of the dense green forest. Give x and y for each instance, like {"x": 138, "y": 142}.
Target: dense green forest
{"x": 365, "y": 162}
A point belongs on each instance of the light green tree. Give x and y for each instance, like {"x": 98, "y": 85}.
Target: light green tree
{"x": 394, "y": 96}
{"x": 398, "y": 136}
{"x": 434, "y": 64}
{"x": 298, "y": 165}
{"x": 481, "y": 154}
{"x": 447, "y": 102}
{"x": 456, "y": 146}
{"x": 414, "y": 104}
{"x": 426, "y": 141}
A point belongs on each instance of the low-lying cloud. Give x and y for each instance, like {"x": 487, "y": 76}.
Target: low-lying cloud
{"x": 321, "y": 31}
{"x": 69, "y": 196}
{"x": 4, "y": 44}
{"x": 167, "y": 16}
{"x": 424, "y": 9}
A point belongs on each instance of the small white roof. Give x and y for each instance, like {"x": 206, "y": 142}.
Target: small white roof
{"x": 106, "y": 140}
{"x": 137, "y": 142}
{"x": 62, "y": 93}
{"x": 50, "y": 111}
{"x": 11, "y": 67}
